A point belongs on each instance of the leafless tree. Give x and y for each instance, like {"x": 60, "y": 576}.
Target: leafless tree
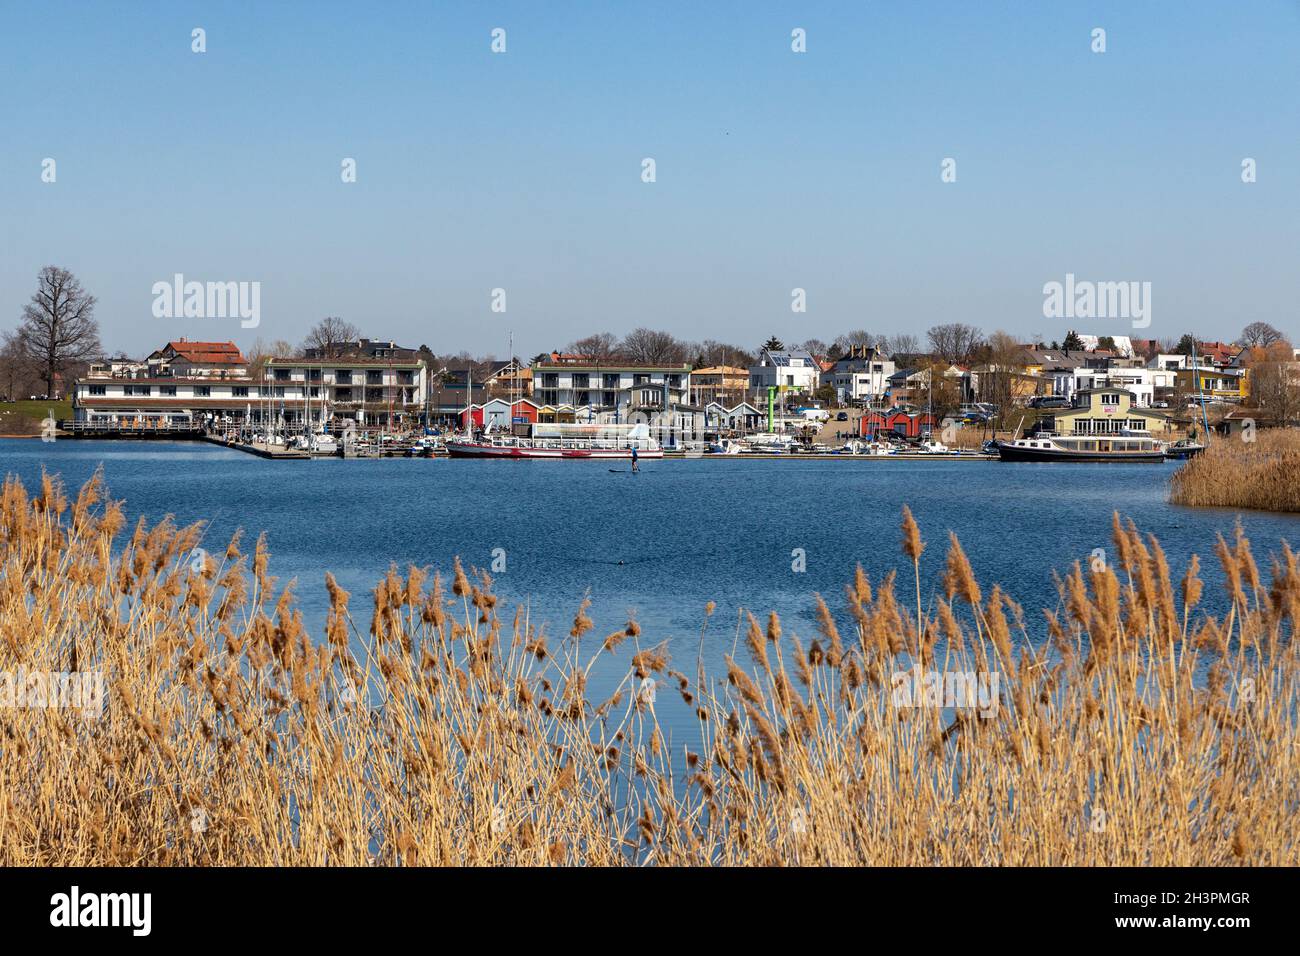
{"x": 58, "y": 327}
{"x": 332, "y": 337}
{"x": 1002, "y": 377}
{"x": 18, "y": 374}
{"x": 904, "y": 343}
{"x": 1275, "y": 381}
{"x": 857, "y": 339}
{"x": 600, "y": 347}
{"x": 711, "y": 352}
{"x": 261, "y": 350}
{"x": 648, "y": 347}
{"x": 1260, "y": 334}
{"x": 954, "y": 341}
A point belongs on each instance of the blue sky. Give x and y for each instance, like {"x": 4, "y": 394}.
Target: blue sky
{"x": 775, "y": 170}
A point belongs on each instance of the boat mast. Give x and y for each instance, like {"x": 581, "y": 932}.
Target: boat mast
{"x": 1196, "y": 370}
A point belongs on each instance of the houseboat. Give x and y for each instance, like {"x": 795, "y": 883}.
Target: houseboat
{"x": 1102, "y": 424}
{"x": 1049, "y": 447}
{"x": 560, "y": 441}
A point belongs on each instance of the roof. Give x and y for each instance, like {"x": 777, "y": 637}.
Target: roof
{"x": 207, "y": 353}
{"x": 1218, "y": 351}
{"x": 721, "y": 370}
{"x": 609, "y": 367}
{"x": 785, "y": 358}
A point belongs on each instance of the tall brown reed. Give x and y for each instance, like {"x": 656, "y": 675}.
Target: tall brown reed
{"x": 448, "y": 729}
{"x": 1260, "y": 473}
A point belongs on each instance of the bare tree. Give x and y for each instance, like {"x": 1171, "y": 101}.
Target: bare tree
{"x": 261, "y": 350}
{"x": 1001, "y": 379}
{"x": 711, "y": 353}
{"x": 600, "y": 347}
{"x": 648, "y": 347}
{"x": 17, "y": 371}
{"x": 58, "y": 326}
{"x": 1260, "y": 334}
{"x": 332, "y": 337}
{"x": 904, "y": 343}
{"x": 1275, "y": 381}
{"x": 857, "y": 339}
{"x": 954, "y": 341}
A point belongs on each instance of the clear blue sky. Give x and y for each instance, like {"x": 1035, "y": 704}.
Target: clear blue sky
{"x": 775, "y": 170}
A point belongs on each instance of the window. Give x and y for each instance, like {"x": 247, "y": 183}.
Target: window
{"x": 166, "y": 389}
{"x": 374, "y": 377}
{"x": 97, "y": 390}
{"x": 313, "y": 375}
{"x": 342, "y": 394}
{"x": 675, "y": 381}
{"x": 282, "y": 375}
{"x": 135, "y": 390}
{"x": 200, "y": 391}
{"x": 581, "y": 380}
{"x": 550, "y": 380}
{"x": 240, "y": 391}
{"x": 610, "y": 380}
{"x": 343, "y": 376}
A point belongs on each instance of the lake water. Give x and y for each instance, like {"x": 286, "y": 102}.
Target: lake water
{"x": 660, "y": 544}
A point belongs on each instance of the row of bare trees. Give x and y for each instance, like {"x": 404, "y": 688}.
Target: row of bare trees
{"x": 644, "y": 346}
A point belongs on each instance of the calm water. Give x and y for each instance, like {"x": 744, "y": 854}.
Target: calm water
{"x": 659, "y": 544}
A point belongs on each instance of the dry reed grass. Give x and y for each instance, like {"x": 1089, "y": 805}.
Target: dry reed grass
{"x": 1232, "y": 473}
{"x": 449, "y": 732}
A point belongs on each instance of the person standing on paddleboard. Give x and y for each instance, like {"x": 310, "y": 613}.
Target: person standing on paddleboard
{"x": 634, "y": 462}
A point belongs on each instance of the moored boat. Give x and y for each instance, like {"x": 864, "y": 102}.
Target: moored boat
{"x": 1184, "y": 449}
{"x": 1049, "y": 447}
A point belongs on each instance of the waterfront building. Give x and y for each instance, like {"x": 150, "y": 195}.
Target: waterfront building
{"x": 1107, "y": 411}
{"x": 723, "y": 384}
{"x": 387, "y": 392}
{"x": 741, "y": 417}
{"x": 900, "y": 422}
{"x": 613, "y": 387}
{"x": 178, "y": 387}
{"x": 502, "y": 414}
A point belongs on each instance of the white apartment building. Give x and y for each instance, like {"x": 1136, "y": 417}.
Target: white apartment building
{"x": 196, "y": 385}
{"x": 614, "y": 386}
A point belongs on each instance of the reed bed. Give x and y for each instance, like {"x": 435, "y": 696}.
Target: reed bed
{"x": 439, "y": 728}
{"x": 1232, "y": 473}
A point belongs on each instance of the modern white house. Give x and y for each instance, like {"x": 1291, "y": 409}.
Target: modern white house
{"x": 786, "y": 370}
{"x": 862, "y": 375}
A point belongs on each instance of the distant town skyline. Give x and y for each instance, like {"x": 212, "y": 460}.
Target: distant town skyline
{"x": 915, "y": 165}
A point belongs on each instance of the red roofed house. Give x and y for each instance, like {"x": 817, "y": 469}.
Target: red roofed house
{"x": 189, "y": 359}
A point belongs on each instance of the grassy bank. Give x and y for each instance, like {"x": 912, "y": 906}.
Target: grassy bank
{"x": 1233, "y": 473}
{"x": 436, "y": 726}
{"x": 25, "y": 417}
